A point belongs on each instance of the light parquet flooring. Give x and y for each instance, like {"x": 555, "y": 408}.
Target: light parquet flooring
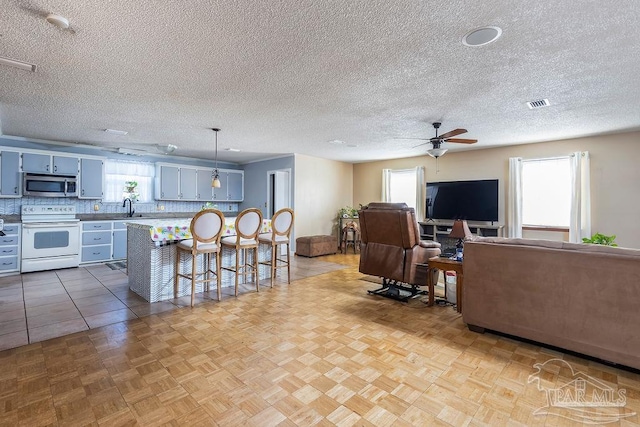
{"x": 319, "y": 351}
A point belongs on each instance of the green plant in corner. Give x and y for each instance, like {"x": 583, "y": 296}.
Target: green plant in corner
{"x": 601, "y": 239}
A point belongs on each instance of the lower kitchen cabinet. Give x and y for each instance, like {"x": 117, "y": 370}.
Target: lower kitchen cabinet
{"x": 119, "y": 240}
{"x": 103, "y": 241}
{"x": 96, "y": 241}
{"x": 10, "y": 249}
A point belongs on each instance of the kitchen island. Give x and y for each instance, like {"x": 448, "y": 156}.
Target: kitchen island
{"x": 151, "y": 256}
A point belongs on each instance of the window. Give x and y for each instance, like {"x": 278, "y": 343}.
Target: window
{"x": 117, "y": 172}
{"x": 404, "y": 186}
{"x": 546, "y": 192}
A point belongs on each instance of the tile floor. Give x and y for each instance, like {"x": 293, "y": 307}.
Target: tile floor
{"x": 42, "y": 305}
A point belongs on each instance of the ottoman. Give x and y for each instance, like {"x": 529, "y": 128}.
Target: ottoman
{"x": 311, "y": 246}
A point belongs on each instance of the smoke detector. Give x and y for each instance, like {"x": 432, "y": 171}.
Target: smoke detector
{"x": 58, "y": 20}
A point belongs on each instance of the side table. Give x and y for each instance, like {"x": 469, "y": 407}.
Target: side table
{"x": 445, "y": 264}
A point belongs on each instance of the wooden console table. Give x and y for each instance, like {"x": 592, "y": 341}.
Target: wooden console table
{"x": 445, "y": 264}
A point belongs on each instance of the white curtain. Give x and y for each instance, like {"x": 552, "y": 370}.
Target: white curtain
{"x": 580, "y": 222}
{"x": 420, "y": 190}
{"x": 514, "y": 216}
{"x": 386, "y": 185}
{"x": 405, "y": 186}
{"x": 117, "y": 172}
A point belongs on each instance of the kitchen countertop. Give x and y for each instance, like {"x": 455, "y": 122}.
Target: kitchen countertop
{"x": 138, "y": 216}
{"x": 9, "y": 219}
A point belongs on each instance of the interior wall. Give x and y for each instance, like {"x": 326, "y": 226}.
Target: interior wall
{"x": 322, "y": 187}
{"x": 256, "y": 182}
{"x": 614, "y": 177}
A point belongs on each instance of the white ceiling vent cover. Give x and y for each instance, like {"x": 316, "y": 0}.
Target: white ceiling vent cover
{"x": 538, "y": 104}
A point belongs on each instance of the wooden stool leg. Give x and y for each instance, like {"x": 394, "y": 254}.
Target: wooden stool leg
{"x": 288, "y": 265}
{"x": 175, "y": 276}
{"x": 193, "y": 278}
{"x": 274, "y": 255}
{"x": 218, "y": 278}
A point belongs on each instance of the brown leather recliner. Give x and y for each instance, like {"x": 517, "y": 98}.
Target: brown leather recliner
{"x": 391, "y": 248}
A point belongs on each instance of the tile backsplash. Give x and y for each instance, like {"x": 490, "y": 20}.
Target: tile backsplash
{"x": 11, "y": 206}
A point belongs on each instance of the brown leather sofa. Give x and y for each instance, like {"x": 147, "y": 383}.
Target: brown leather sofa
{"x": 391, "y": 248}
{"x": 579, "y": 297}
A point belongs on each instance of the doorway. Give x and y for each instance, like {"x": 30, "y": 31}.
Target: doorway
{"x": 278, "y": 191}
{"x": 279, "y": 196}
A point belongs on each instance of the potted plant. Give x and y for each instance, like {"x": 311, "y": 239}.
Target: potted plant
{"x": 601, "y": 239}
{"x": 130, "y": 191}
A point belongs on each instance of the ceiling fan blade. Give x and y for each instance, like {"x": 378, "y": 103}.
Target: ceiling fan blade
{"x": 452, "y": 133}
{"x": 420, "y": 145}
{"x": 462, "y": 141}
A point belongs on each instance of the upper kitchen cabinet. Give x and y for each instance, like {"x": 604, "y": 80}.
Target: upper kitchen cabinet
{"x": 45, "y": 163}
{"x": 220, "y": 194}
{"x": 91, "y": 179}
{"x": 176, "y": 182}
{"x": 235, "y": 182}
{"x": 167, "y": 185}
{"x": 10, "y": 174}
{"x": 188, "y": 183}
{"x": 203, "y": 184}
{"x": 231, "y": 186}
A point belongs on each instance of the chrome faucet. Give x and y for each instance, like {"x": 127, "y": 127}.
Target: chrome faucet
{"x": 131, "y": 211}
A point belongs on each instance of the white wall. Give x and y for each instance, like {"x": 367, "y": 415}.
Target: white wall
{"x": 615, "y": 174}
{"x": 321, "y": 188}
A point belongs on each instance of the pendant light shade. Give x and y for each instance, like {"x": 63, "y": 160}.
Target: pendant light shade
{"x": 215, "y": 182}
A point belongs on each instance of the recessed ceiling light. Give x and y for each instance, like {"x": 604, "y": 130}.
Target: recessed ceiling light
{"x": 17, "y": 64}
{"x": 336, "y": 142}
{"x": 235, "y": 150}
{"x": 116, "y": 132}
{"x": 481, "y": 36}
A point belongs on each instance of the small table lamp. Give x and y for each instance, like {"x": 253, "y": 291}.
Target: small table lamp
{"x": 460, "y": 231}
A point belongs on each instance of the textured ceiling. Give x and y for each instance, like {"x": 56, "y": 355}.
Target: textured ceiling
{"x": 288, "y": 76}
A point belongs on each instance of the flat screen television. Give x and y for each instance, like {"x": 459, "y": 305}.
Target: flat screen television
{"x": 470, "y": 200}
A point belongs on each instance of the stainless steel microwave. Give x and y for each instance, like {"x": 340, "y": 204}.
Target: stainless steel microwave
{"x": 35, "y": 184}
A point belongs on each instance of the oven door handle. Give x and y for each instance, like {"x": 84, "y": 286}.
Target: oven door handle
{"x": 50, "y": 224}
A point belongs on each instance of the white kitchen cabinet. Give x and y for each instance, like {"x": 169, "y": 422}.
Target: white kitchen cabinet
{"x": 48, "y": 164}
{"x": 10, "y": 249}
{"x": 91, "y": 179}
{"x": 10, "y": 185}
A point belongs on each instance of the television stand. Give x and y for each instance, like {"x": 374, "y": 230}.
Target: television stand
{"x": 438, "y": 230}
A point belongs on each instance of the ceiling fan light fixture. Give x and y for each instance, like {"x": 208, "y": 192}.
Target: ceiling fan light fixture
{"x": 167, "y": 149}
{"x": 436, "y": 152}
{"x": 482, "y": 36}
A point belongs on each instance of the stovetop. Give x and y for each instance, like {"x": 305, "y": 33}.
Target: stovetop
{"x": 41, "y": 213}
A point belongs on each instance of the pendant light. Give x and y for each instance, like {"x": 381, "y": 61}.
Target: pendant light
{"x": 215, "y": 182}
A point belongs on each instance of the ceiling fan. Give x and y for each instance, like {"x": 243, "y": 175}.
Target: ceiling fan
{"x": 437, "y": 141}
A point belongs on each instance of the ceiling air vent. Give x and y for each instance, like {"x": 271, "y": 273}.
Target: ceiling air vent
{"x": 538, "y": 104}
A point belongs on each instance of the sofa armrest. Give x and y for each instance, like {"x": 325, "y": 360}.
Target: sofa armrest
{"x": 429, "y": 244}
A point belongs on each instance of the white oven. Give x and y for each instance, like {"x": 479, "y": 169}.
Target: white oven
{"x": 50, "y": 238}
